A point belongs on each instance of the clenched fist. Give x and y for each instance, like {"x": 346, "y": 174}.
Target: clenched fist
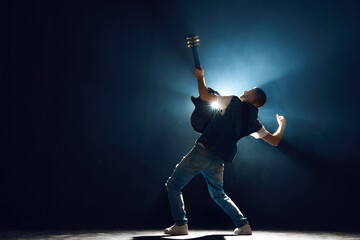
{"x": 281, "y": 120}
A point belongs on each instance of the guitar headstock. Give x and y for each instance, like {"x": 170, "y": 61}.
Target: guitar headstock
{"x": 192, "y": 40}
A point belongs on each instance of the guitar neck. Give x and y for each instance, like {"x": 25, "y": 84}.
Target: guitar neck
{"x": 196, "y": 58}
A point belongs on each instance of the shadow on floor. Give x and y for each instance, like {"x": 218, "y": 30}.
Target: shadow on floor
{"x": 207, "y": 237}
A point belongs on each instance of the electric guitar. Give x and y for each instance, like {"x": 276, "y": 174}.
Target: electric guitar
{"x": 202, "y": 113}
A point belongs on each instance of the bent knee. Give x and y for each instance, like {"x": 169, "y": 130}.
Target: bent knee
{"x": 171, "y": 185}
{"x": 218, "y": 195}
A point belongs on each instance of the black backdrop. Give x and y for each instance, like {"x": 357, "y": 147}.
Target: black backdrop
{"x": 95, "y": 111}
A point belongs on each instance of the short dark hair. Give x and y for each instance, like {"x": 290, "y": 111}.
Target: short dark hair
{"x": 260, "y": 97}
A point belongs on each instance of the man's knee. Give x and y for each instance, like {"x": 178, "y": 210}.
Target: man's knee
{"x": 170, "y": 185}
{"x": 218, "y": 195}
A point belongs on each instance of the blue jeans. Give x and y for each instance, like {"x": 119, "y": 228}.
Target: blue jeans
{"x": 199, "y": 160}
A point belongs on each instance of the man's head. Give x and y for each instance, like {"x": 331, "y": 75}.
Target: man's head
{"x": 255, "y": 96}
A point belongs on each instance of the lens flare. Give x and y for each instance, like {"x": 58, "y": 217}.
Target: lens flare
{"x": 215, "y": 105}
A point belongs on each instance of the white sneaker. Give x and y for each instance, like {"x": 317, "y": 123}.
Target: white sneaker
{"x": 177, "y": 230}
{"x": 244, "y": 230}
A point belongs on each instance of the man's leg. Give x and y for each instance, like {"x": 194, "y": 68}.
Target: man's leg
{"x": 214, "y": 180}
{"x": 181, "y": 176}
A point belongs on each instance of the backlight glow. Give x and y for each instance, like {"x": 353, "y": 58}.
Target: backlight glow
{"x": 215, "y": 105}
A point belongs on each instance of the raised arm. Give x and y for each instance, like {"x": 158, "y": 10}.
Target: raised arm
{"x": 204, "y": 94}
{"x": 275, "y": 138}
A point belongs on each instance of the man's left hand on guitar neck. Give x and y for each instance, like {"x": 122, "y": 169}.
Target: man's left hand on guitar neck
{"x": 204, "y": 93}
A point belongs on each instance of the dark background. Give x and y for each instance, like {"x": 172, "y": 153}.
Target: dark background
{"x": 95, "y": 110}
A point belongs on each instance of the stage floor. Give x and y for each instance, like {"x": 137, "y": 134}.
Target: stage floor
{"x": 157, "y": 234}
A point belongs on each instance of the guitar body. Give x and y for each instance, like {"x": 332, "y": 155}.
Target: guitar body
{"x": 203, "y": 113}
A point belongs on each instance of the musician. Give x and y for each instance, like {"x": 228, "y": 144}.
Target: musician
{"x": 237, "y": 118}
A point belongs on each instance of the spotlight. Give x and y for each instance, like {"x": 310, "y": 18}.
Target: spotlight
{"x": 215, "y": 105}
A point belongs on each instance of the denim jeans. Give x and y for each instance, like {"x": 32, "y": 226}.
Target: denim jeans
{"x": 199, "y": 160}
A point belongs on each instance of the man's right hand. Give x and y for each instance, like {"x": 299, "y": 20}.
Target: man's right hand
{"x": 275, "y": 138}
{"x": 281, "y": 120}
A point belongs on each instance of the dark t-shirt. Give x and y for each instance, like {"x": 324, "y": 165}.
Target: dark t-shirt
{"x": 223, "y": 131}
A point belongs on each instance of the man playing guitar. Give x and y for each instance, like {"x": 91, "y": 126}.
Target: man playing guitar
{"x": 236, "y": 118}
